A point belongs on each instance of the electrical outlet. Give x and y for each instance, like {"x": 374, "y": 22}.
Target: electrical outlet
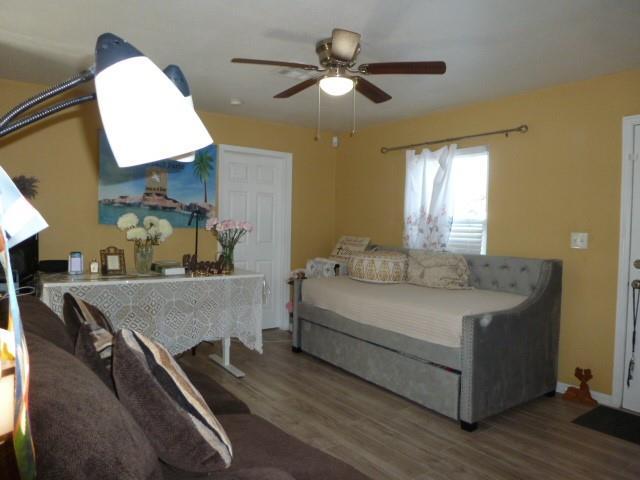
{"x": 580, "y": 240}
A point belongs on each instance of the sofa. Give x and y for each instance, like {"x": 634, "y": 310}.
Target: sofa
{"x": 503, "y": 358}
{"x": 75, "y": 421}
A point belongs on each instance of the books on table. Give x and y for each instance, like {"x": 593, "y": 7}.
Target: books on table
{"x": 168, "y": 267}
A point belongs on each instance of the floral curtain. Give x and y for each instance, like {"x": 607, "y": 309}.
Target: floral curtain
{"x": 428, "y": 208}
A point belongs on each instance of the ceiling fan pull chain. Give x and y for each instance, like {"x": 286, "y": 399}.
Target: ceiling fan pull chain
{"x": 318, "y": 119}
{"x": 353, "y": 114}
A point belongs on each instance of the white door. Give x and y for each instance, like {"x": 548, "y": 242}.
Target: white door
{"x": 255, "y": 185}
{"x": 631, "y": 386}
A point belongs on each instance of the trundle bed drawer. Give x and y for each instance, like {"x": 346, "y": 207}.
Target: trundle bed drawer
{"x": 429, "y": 385}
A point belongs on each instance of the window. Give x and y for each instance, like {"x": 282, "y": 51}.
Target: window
{"x": 463, "y": 196}
{"x": 470, "y": 175}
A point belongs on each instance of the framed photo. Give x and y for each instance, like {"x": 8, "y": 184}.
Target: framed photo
{"x": 112, "y": 261}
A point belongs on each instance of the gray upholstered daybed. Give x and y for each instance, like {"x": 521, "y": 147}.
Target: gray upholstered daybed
{"x": 504, "y": 358}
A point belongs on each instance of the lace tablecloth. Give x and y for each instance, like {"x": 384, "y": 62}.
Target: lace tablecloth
{"x": 178, "y": 312}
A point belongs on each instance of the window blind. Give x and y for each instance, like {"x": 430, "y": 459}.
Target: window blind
{"x": 467, "y": 236}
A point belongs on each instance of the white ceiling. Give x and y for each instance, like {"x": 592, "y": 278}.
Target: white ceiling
{"x": 492, "y": 47}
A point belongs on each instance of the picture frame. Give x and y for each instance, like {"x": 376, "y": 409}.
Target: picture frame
{"x": 112, "y": 261}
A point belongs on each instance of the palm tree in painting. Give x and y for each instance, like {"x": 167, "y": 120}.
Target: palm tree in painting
{"x": 202, "y": 167}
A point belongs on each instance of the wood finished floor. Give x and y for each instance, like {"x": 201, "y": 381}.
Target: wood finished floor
{"x": 387, "y": 437}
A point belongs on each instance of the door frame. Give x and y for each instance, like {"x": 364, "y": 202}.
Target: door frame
{"x": 624, "y": 254}
{"x": 285, "y": 247}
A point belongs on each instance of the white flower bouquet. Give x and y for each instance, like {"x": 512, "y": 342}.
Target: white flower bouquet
{"x": 153, "y": 230}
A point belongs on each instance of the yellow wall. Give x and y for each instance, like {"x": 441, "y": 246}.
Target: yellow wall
{"x": 562, "y": 176}
{"x": 62, "y": 152}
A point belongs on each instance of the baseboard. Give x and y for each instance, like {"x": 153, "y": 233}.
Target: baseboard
{"x": 601, "y": 398}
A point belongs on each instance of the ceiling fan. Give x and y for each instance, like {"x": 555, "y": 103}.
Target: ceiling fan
{"x": 337, "y": 57}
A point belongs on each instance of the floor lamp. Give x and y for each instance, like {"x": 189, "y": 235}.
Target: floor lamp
{"x": 147, "y": 115}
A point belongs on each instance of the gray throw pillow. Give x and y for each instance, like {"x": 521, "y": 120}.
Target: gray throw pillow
{"x": 179, "y": 424}
{"x": 79, "y": 428}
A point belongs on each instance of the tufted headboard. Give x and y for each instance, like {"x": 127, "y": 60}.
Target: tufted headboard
{"x": 504, "y": 274}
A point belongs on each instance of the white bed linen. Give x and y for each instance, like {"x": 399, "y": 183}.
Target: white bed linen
{"x": 431, "y": 314}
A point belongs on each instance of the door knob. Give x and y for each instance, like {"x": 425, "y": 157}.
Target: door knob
{"x": 635, "y": 284}
{"x": 636, "y": 263}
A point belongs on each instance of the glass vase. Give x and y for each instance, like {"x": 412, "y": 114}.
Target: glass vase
{"x": 227, "y": 260}
{"x": 143, "y": 257}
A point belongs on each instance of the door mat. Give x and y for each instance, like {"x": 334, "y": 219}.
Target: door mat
{"x": 612, "y": 422}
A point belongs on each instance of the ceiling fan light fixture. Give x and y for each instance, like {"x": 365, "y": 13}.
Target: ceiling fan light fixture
{"x": 336, "y": 85}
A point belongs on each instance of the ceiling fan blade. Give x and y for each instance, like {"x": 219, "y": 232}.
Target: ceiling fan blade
{"x": 276, "y": 63}
{"x": 344, "y": 44}
{"x": 369, "y": 90}
{"x": 296, "y": 88}
{"x": 416, "y": 68}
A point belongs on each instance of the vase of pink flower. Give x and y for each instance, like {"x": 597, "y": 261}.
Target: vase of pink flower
{"x": 228, "y": 233}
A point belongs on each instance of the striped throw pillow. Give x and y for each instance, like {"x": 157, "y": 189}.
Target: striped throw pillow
{"x": 77, "y": 313}
{"x": 179, "y": 424}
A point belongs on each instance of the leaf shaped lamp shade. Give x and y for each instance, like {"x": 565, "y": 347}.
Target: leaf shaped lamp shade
{"x": 177, "y": 77}
{"x": 145, "y": 117}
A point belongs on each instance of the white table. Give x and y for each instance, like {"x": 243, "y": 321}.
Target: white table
{"x": 177, "y": 311}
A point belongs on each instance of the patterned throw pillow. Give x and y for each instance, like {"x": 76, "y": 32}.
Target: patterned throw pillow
{"x": 348, "y": 245}
{"x": 77, "y": 313}
{"x": 438, "y": 270}
{"x": 178, "y": 422}
{"x": 85, "y": 350}
{"x": 378, "y": 267}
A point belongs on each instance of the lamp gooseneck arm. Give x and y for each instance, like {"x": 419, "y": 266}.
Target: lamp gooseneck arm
{"x": 23, "y": 122}
{"x": 5, "y": 121}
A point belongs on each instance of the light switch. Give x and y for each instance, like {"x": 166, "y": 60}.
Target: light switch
{"x": 580, "y": 240}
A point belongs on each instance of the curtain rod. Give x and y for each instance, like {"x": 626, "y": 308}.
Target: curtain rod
{"x": 506, "y": 132}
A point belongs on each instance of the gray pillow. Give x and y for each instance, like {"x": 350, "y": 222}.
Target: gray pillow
{"x": 79, "y": 428}
{"x": 179, "y": 424}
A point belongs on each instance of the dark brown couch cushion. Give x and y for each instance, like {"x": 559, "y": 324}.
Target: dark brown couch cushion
{"x": 261, "y": 444}
{"x": 79, "y": 428}
{"x": 220, "y": 401}
{"x": 177, "y": 420}
{"x": 39, "y": 319}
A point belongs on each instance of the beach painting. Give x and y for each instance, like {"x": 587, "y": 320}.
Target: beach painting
{"x": 168, "y": 189}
